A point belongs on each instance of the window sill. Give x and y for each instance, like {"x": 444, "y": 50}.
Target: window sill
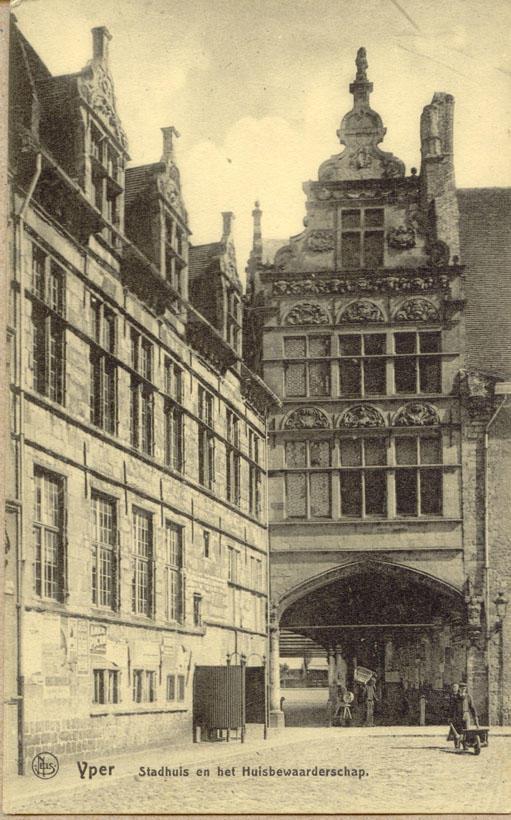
{"x": 120, "y": 710}
{"x": 433, "y": 519}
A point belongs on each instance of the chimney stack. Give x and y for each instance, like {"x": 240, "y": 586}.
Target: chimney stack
{"x": 228, "y": 218}
{"x": 100, "y": 39}
{"x": 438, "y": 187}
{"x": 257, "y": 237}
{"x": 168, "y": 143}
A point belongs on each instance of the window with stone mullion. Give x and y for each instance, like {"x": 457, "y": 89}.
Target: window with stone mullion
{"x": 308, "y": 489}
{"x": 363, "y": 486}
{"x": 418, "y": 476}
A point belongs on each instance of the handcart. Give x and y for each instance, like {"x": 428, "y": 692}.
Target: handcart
{"x": 475, "y": 738}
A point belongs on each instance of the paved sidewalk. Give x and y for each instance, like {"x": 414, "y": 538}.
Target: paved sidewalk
{"x": 188, "y": 754}
{"x": 396, "y": 770}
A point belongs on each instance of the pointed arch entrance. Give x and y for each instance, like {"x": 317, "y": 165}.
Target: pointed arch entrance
{"x": 405, "y": 625}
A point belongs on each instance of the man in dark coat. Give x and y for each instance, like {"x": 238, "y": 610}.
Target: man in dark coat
{"x": 463, "y": 710}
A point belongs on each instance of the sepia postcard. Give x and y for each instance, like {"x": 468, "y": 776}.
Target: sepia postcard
{"x": 257, "y": 554}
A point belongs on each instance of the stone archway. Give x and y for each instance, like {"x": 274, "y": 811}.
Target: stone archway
{"x": 404, "y": 624}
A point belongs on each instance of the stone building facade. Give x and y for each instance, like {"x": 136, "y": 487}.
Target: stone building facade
{"x": 136, "y": 509}
{"x": 386, "y": 466}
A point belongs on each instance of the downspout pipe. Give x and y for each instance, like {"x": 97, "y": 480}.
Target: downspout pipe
{"x": 487, "y": 549}
{"x": 20, "y": 376}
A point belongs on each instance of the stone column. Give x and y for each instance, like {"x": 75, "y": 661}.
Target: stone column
{"x": 276, "y": 713}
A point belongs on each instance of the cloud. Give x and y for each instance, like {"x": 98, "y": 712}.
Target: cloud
{"x": 264, "y": 159}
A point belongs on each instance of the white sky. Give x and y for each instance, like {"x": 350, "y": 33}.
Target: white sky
{"x": 257, "y": 88}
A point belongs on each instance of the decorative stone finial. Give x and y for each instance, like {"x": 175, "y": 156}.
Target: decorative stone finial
{"x": 362, "y": 64}
{"x": 361, "y": 131}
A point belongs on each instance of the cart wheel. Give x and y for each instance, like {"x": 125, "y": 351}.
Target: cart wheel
{"x": 477, "y": 745}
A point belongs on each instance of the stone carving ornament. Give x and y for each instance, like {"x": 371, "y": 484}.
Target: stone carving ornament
{"x": 401, "y": 238}
{"x": 306, "y": 418}
{"x": 416, "y": 414}
{"x": 361, "y": 131}
{"x": 362, "y": 415}
{"x": 307, "y": 314}
{"x": 417, "y": 310}
{"x": 320, "y": 241}
{"x": 362, "y": 312}
{"x": 96, "y": 85}
{"x": 378, "y": 284}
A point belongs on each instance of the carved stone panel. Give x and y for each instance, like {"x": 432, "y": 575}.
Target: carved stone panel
{"x": 96, "y": 86}
{"x": 363, "y": 311}
{"x": 370, "y": 284}
{"x": 307, "y": 314}
{"x": 416, "y": 414}
{"x": 417, "y": 310}
{"x": 362, "y": 415}
{"x": 320, "y": 241}
{"x": 401, "y": 238}
{"x": 306, "y": 418}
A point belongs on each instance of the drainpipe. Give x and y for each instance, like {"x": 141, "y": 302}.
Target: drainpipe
{"x": 20, "y": 375}
{"x": 487, "y": 547}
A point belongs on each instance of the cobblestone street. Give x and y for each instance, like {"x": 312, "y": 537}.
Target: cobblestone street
{"x": 401, "y": 773}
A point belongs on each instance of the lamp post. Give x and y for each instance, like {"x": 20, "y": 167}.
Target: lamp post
{"x": 501, "y": 603}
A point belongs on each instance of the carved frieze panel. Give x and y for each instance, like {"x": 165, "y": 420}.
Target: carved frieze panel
{"x": 306, "y": 418}
{"x": 307, "y": 314}
{"x": 416, "y": 414}
{"x": 417, "y": 310}
{"x": 362, "y": 415}
{"x": 363, "y": 311}
{"x": 372, "y": 284}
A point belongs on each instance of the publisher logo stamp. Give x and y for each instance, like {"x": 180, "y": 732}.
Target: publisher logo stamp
{"x": 45, "y": 765}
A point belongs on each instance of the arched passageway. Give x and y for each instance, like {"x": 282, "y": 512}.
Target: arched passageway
{"x": 405, "y": 626}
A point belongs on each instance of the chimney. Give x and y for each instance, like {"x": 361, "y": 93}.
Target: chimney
{"x": 100, "y": 39}
{"x": 438, "y": 187}
{"x": 168, "y": 143}
{"x": 228, "y": 218}
{"x": 257, "y": 237}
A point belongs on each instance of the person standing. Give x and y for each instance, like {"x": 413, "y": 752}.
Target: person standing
{"x": 463, "y": 714}
{"x": 370, "y": 698}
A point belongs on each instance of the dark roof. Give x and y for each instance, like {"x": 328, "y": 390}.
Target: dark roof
{"x": 485, "y": 237}
{"x": 138, "y": 178}
{"x": 200, "y": 257}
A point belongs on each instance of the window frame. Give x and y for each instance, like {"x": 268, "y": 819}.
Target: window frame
{"x": 308, "y": 362}
{"x": 173, "y": 572}
{"x": 52, "y": 588}
{"x": 419, "y": 358}
{"x": 142, "y": 566}
{"x": 362, "y": 470}
{"x": 362, "y": 231}
{"x": 113, "y": 549}
{"x": 363, "y": 359}
{"x": 308, "y": 471}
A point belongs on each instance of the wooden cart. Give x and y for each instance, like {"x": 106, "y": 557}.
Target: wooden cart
{"x": 475, "y": 738}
